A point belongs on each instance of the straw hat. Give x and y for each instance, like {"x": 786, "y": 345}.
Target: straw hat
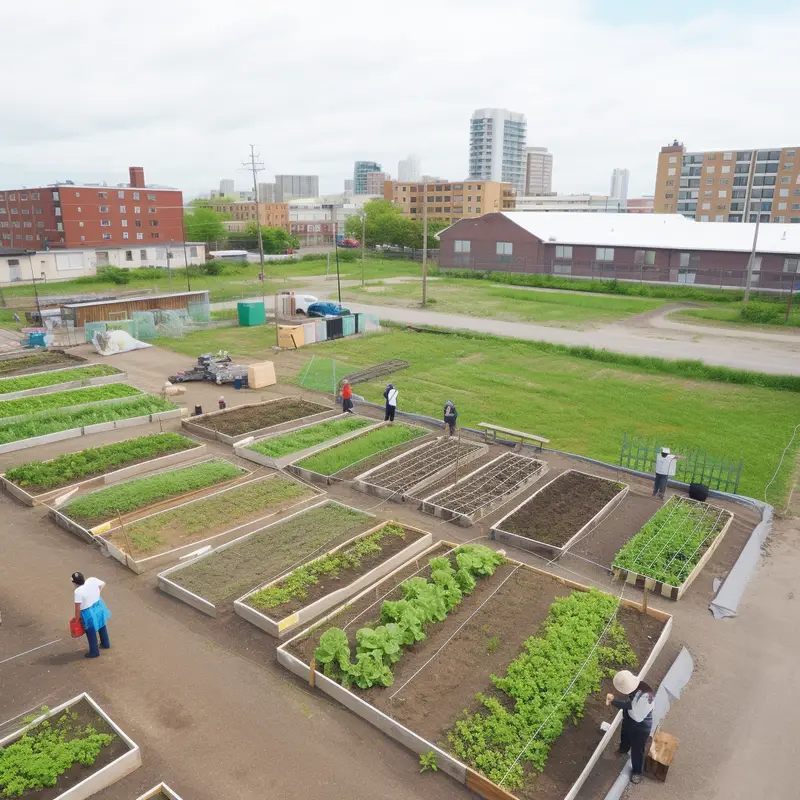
{"x": 625, "y": 682}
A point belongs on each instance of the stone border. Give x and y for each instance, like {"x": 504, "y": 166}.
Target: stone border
{"x": 280, "y": 627}
{"x": 118, "y": 377}
{"x": 107, "y": 775}
{"x": 70, "y": 409}
{"x": 666, "y": 589}
{"x": 534, "y": 545}
{"x": 192, "y": 424}
{"x": 363, "y": 484}
{"x": 279, "y": 463}
{"x": 427, "y": 505}
{"x": 107, "y": 478}
{"x": 141, "y": 565}
{"x": 158, "y": 791}
{"x": 418, "y": 744}
{"x": 200, "y": 603}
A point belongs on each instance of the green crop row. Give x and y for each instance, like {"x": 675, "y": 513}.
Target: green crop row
{"x": 24, "y": 382}
{"x": 126, "y": 497}
{"x": 544, "y": 688}
{"x": 403, "y": 621}
{"x": 74, "y": 397}
{"x": 672, "y": 541}
{"x": 293, "y": 442}
{"x": 44, "y": 476}
{"x": 55, "y": 421}
{"x": 295, "y": 585}
{"x": 343, "y": 455}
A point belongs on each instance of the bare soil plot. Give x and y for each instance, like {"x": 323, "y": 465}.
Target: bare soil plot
{"x": 38, "y": 362}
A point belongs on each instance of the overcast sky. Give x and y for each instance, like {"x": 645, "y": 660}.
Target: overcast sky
{"x": 183, "y": 88}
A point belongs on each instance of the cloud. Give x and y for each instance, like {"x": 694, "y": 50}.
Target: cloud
{"x": 183, "y": 88}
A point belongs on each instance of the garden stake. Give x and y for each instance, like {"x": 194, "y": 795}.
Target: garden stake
{"x": 644, "y": 601}
{"x": 312, "y": 672}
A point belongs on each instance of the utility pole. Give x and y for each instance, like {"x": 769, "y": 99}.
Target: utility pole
{"x": 256, "y": 167}
{"x": 336, "y": 248}
{"x": 752, "y": 261}
{"x": 424, "y": 244}
{"x": 363, "y": 242}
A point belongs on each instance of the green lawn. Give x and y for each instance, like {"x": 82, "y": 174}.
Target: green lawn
{"x": 7, "y": 319}
{"x": 730, "y": 315}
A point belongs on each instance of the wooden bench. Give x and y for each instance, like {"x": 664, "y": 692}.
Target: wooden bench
{"x": 490, "y": 432}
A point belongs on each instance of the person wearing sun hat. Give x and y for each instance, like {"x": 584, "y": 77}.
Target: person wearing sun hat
{"x": 637, "y": 718}
{"x": 93, "y": 612}
{"x": 665, "y": 469}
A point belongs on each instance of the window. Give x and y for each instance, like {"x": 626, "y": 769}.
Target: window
{"x": 151, "y": 210}
{"x": 103, "y": 195}
{"x": 27, "y": 224}
{"x": 193, "y": 250}
{"x": 604, "y": 254}
{"x": 721, "y": 207}
{"x": 125, "y": 234}
{"x": 124, "y": 223}
{"x": 768, "y": 155}
{"x": 671, "y": 182}
{"x": 764, "y": 167}
{"x": 788, "y": 165}
{"x": 706, "y": 206}
{"x": 673, "y": 159}
{"x": 140, "y": 236}
{"x": 504, "y": 248}
{"x": 710, "y": 170}
{"x": 642, "y": 257}
{"x": 742, "y": 169}
{"x": 26, "y": 211}
{"x": 724, "y": 181}
{"x": 791, "y": 264}
{"x": 58, "y": 211}
{"x": 709, "y": 181}
{"x": 129, "y": 255}
{"x": 106, "y": 235}
{"x": 784, "y": 192}
{"x": 795, "y": 206}
{"x": 786, "y": 179}
{"x": 23, "y": 196}
{"x": 790, "y": 152}
{"x": 564, "y": 251}
{"x": 722, "y": 193}
{"x": 477, "y": 209}
{"x": 12, "y": 196}
{"x": 123, "y": 210}
{"x": 15, "y": 211}
{"x": 153, "y": 223}
{"x": 40, "y": 224}
{"x": 438, "y": 210}
{"x": 121, "y": 195}
{"x": 80, "y": 224}
{"x": 37, "y": 210}
{"x": 155, "y": 235}
{"x": 138, "y": 223}
{"x": 708, "y": 193}
{"x": 671, "y": 171}
{"x": 35, "y": 196}
{"x": 779, "y": 219}
{"x": 781, "y": 206}
{"x": 105, "y": 223}
{"x": 461, "y": 246}
{"x": 137, "y": 210}
{"x": 151, "y": 197}
{"x": 104, "y": 209}
{"x": 136, "y": 195}
{"x": 690, "y": 259}
{"x": 727, "y": 157}
{"x": 469, "y": 209}
{"x": 83, "y": 238}
{"x": 725, "y": 169}
{"x": 29, "y": 238}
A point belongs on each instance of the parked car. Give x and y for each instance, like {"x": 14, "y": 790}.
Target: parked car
{"x": 289, "y": 251}
{"x": 303, "y": 301}
{"x": 350, "y": 243}
{"x": 327, "y": 309}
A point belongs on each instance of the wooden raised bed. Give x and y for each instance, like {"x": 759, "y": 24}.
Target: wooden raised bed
{"x": 562, "y": 496}
{"x": 98, "y": 380}
{"x": 41, "y": 361}
{"x": 278, "y": 626}
{"x": 162, "y": 790}
{"x": 451, "y": 680}
{"x": 99, "y": 777}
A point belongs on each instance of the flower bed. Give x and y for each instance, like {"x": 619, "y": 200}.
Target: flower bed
{"x": 43, "y": 382}
{"x": 59, "y": 400}
{"x": 36, "y": 362}
{"x": 476, "y": 682}
{"x": 257, "y": 558}
{"x": 674, "y": 545}
{"x": 319, "y": 585}
{"x": 73, "y": 750}
{"x": 159, "y": 537}
{"x": 559, "y": 513}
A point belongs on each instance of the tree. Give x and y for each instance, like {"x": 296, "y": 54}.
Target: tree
{"x": 204, "y": 225}
{"x": 386, "y": 224}
{"x": 275, "y": 240}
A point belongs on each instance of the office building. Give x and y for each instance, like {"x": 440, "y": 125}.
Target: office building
{"x": 288, "y": 187}
{"x": 348, "y": 185}
{"x": 360, "y": 172}
{"x": 375, "y": 181}
{"x": 448, "y": 200}
{"x": 639, "y": 205}
{"x": 266, "y": 193}
{"x": 88, "y": 215}
{"x": 729, "y": 185}
{"x": 497, "y": 147}
{"x": 272, "y": 215}
{"x": 570, "y": 202}
{"x": 226, "y": 187}
{"x": 408, "y": 169}
{"x": 538, "y": 171}
{"x": 619, "y": 183}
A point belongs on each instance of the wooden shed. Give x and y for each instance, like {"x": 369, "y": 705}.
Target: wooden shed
{"x": 104, "y": 310}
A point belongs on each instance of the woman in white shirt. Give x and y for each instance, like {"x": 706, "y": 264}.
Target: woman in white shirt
{"x": 637, "y": 718}
{"x": 391, "y": 403}
{"x": 93, "y": 612}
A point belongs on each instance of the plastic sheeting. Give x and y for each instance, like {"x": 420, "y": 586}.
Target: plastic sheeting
{"x": 93, "y": 327}
{"x": 145, "y": 324}
{"x": 113, "y": 342}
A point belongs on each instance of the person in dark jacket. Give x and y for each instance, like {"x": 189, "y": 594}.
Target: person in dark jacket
{"x": 450, "y": 416}
{"x": 391, "y": 403}
{"x": 637, "y": 718}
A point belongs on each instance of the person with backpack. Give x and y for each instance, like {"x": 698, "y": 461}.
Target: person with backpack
{"x": 390, "y": 396}
{"x": 637, "y": 706}
{"x": 450, "y": 416}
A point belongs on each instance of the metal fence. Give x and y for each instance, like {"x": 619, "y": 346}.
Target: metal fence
{"x": 699, "y": 466}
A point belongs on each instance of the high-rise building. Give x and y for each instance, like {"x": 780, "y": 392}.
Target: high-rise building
{"x": 538, "y": 172}
{"x": 360, "y": 171}
{"x": 288, "y": 187}
{"x": 408, "y": 169}
{"x": 266, "y": 193}
{"x": 348, "y": 185}
{"x": 497, "y": 147}
{"x": 447, "y": 200}
{"x": 226, "y": 187}
{"x": 619, "y": 183}
{"x": 729, "y": 185}
{"x": 375, "y": 181}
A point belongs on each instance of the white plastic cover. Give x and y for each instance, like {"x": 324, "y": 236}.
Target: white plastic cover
{"x": 113, "y": 342}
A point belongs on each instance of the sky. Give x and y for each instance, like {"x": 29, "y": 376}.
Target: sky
{"x": 183, "y": 88}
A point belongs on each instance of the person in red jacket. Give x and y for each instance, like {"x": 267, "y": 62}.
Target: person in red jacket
{"x": 347, "y": 397}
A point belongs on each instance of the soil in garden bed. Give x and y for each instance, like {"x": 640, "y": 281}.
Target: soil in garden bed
{"x": 449, "y": 480}
{"x": 379, "y": 458}
{"x": 390, "y": 546}
{"x": 562, "y": 508}
{"x": 77, "y": 772}
{"x": 38, "y": 362}
{"x": 238, "y": 421}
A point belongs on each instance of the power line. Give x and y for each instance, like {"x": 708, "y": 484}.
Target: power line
{"x": 257, "y": 166}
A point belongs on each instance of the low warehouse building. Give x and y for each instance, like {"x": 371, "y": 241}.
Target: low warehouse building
{"x": 123, "y": 308}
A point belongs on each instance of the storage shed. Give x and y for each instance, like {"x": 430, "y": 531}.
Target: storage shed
{"x": 102, "y": 310}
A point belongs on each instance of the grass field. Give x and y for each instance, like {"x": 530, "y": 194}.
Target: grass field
{"x": 730, "y": 315}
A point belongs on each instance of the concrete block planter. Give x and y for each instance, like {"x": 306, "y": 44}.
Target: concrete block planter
{"x": 158, "y": 792}
{"x": 212, "y": 535}
{"x": 487, "y": 488}
{"x": 118, "y": 377}
{"x": 464, "y": 667}
{"x": 419, "y": 541}
{"x": 205, "y": 424}
{"x": 575, "y": 501}
{"x": 98, "y": 778}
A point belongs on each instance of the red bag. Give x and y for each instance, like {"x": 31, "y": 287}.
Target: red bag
{"x": 76, "y": 628}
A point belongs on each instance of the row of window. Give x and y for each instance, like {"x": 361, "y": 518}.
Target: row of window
{"x": 456, "y": 187}
{"x": 16, "y": 224}
{"x": 125, "y": 235}
{"x": 446, "y": 210}
{"x": 101, "y": 195}
{"x": 22, "y": 195}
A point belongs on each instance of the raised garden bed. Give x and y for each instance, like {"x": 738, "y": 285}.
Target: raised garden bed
{"x": 151, "y": 541}
{"x": 442, "y": 695}
{"x": 98, "y": 511}
{"x": 488, "y": 487}
{"x": 40, "y": 481}
{"x": 279, "y": 449}
{"x": 313, "y": 588}
{"x": 70, "y": 400}
{"x": 255, "y": 419}
{"x": 159, "y": 792}
{"x": 38, "y": 362}
{"x": 58, "y": 380}
{"x": 407, "y": 475}
{"x": 65, "y": 760}
{"x": 323, "y": 466}
{"x": 54, "y": 426}
{"x": 257, "y": 558}
{"x": 669, "y": 552}
{"x": 558, "y": 514}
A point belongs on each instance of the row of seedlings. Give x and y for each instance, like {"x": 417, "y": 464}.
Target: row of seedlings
{"x": 59, "y": 380}
{"x": 27, "y": 363}
{"x": 461, "y": 657}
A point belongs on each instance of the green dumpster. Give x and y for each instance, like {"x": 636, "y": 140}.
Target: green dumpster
{"x": 251, "y": 313}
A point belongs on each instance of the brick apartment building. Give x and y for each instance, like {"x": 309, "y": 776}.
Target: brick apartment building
{"x": 271, "y": 215}
{"x": 89, "y": 215}
{"x": 448, "y": 200}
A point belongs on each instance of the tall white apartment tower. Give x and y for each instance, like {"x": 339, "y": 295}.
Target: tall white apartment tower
{"x": 408, "y": 169}
{"x": 497, "y": 146}
{"x": 226, "y": 187}
{"x": 619, "y": 183}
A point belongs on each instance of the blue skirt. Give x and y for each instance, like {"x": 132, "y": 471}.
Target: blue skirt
{"x": 96, "y": 616}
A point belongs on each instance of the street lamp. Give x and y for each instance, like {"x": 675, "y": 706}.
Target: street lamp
{"x": 363, "y": 242}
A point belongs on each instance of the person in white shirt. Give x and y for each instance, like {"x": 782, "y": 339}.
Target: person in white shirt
{"x": 93, "y": 612}
{"x": 637, "y": 718}
{"x": 666, "y": 463}
{"x": 391, "y": 403}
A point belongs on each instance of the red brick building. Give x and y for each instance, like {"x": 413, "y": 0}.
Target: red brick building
{"x": 67, "y": 215}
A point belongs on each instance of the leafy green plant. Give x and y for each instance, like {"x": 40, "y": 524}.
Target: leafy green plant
{"x": 117, "y": 275}
{"x": 672, "y": 541}
{"x": 545, "y": 687}
{"x": 74, "y": 397}
{"x": 47, "y": 750}
{"x": 429, "y": 761}
{"x": 278, "y": 446}
{"x": 25, "y": 382}
{"x": 493, "y": 644}
{"x": 42, "y": 476}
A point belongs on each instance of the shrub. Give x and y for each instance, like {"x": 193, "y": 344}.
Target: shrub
{"x": 113, "y": 274}
{"x": 763, "y": 313}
